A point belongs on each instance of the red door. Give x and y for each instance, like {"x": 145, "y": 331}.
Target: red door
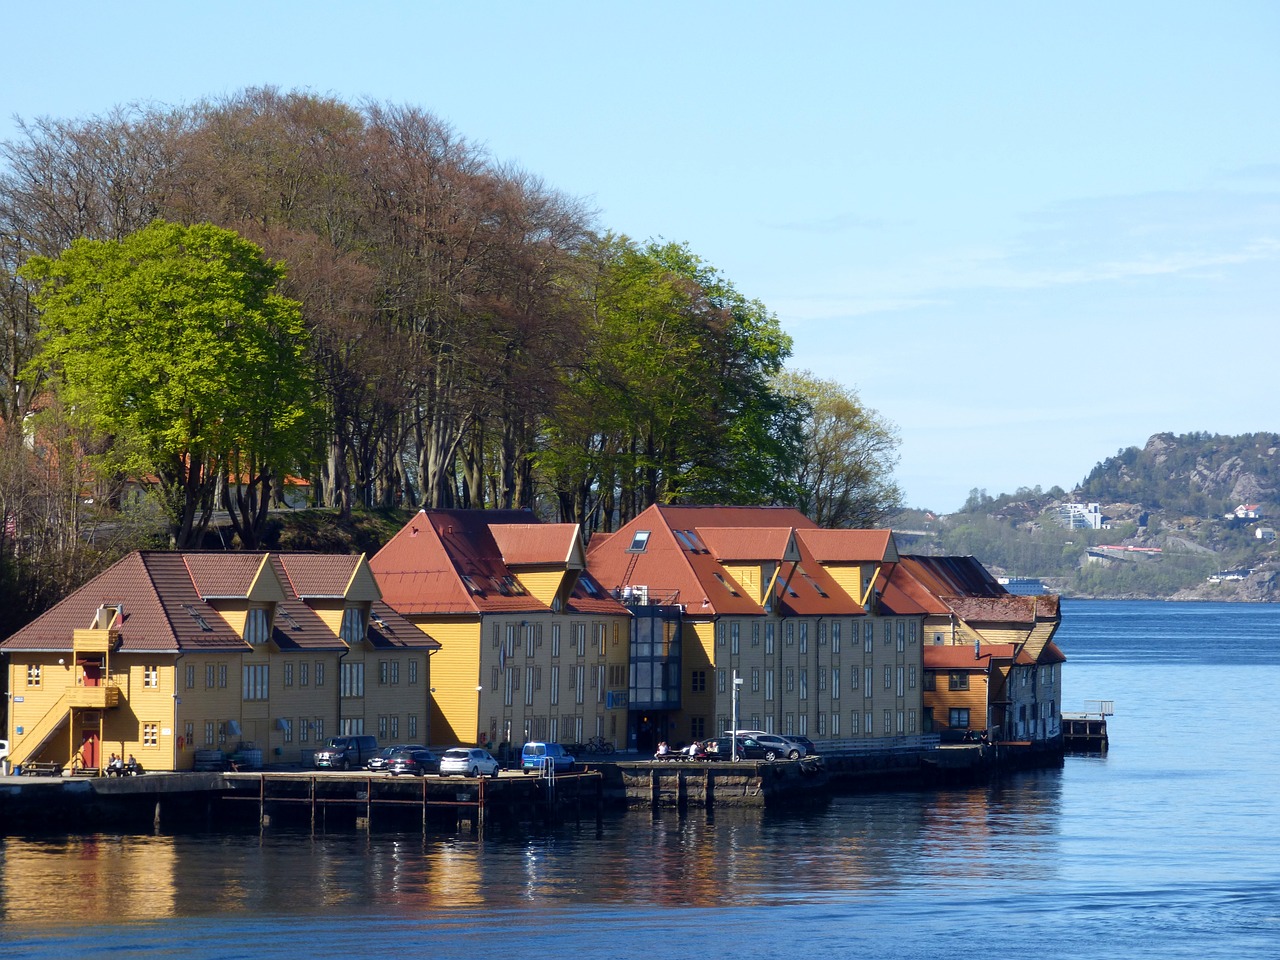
{"x": 92, "y": 672}
{"x": 89, "y": 753}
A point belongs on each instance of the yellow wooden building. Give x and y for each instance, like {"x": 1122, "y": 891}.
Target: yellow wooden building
{"x": 165, "y": 654}
{"x": 531, "y": 648}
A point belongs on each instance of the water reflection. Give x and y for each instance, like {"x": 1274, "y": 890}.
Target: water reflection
{"x": 668, "y": 861}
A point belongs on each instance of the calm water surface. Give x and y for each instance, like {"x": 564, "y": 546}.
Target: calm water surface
{"x": 1167, "y": 847}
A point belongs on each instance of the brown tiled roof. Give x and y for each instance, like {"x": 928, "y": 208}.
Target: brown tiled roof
{"x": 1007, "y": 609}
{"x": 1052, "y": 653}
{"x": 164, "y": 611}
{"x": 318, "y": 576}
{"x": 222, "y": 575}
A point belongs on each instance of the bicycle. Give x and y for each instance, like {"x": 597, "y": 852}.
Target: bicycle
{"x": 598, "y": 745}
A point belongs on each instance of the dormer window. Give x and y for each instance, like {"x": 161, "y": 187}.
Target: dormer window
{"x": 352, "y": 625}
{"x": 257, "y": 626}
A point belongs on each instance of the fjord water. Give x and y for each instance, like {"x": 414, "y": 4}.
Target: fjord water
{"x": 1169, "y": 846}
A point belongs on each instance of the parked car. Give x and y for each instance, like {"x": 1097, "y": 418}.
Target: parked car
{"x": 468, "y": 762}
{"x": 418, "y": 762}
{"x": 343, "y": 753}
{"x": 749, "y": 748}
{"x": 779, "y": 747}
{"x": 783, "y": 747}
{"x": 536, "y": 755}
{"x": 810, "y": 750}
{"x": 379, "y": 761}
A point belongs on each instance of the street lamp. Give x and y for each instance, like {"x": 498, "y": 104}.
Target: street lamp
{"x": 733, "y": 734}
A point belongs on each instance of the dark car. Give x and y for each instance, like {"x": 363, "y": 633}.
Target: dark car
{"x": 379, "y": 762}
{"x": 749, "y": 748}
{"x": 416, "y": 762}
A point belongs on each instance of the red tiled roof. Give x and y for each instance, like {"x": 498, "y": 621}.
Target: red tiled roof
{"x": 450, "y": 562}
{"x": 849, "y": 546}
{"x": 961, "y": 657}
{"x": 529, "y": 544}
{"x": 728, "y": 544}
{"x": 1007, "y": 609}
{"x": 1052, "y": 653}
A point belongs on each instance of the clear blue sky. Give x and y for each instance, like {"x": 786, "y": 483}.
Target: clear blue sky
{"x": 1028, "y": 234}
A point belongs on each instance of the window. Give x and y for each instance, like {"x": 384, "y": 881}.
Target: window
{"x": 929, "y": 680}
{"x": 888, "y": 722}
{"x": 755, "y": 679}
{"x": 304, "y": 728}
{"x": 911, "y": 721}
{"x": 209, "y": 680}
{"x": 791, "y": 679}
{"x": 913, "y": 631}
{"x": 734, "y": 629}
{"x": 34, "y": 677}
{"x": 698, "y": 681}
{"x": 599, "y": 684}
{"x": 189, "y": 735}
{"x": 555, "y": 685}
{"x": 382, "y": 728}
{"x": 768, "y": 637}
{"x": 755, "y": 634}
{"x": 580, "y": 638}
{"x": 854, "y": 721}
{"x": 395, "y": 727}
{"x": 768, "y": 684}
{"x": 351, "y": 726}
{"x": 900, "y": 683}
{"x": 319, "y": 673}
{"x": 835, "y": 725}
{"x": 958, "y": 680}
{"x": 901, "y": 729}
{"x": 888, "y": 677}
{"x": 288, "y": 674}
{"x": 868, "y": 635}
{"x": 528, "y": 686}
{"x": 720, "y": 680}
{"x": 318, "y": 726}
{"x": 697, "y": 727}
{"x": 352, "y": 631}
{"x": 257, "y": 629}
{"x": 191, "y": 678}
{"x": 791, "y": 634}
{"x": 302, "y": 674}
{"x": 579, "y": 683}
{"x": 639, "y": 541}
{"x": 222, "y": 676}
{"x": 835, "y": 646}
{"x": 222, "y": 733}
{"x": 555, "y": 639}
{"x": 911, "y": 676}
{"x": 804, "y": 684}
{"x": 411, "y": 722}
{"x": 958, "y": 717}
{"x": 888, "y": 635}
{"x": 255, "y": 681}
{"x": 866, "y": 690}
{"x": 208, "y": 733}
{"x": 902, "y": 635}
{"x": 351, "y": 680}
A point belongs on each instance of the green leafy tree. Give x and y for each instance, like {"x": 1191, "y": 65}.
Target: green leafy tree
{"x": 845, "y": 476}
{"x": 173, "y": 345}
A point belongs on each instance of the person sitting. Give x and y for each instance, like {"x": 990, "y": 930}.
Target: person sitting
{"x": 663, "y": 749}
{"x": 694, "y": 749}
{"x": 132, "y": 768}
{"x": 115, "y": 767}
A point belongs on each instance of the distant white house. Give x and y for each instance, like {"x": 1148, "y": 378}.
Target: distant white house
{"x": 1247, "y": 511}
{"x": 1080, "y": 516}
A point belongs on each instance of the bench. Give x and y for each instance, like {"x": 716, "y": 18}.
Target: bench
{"x": 41, "y": 768}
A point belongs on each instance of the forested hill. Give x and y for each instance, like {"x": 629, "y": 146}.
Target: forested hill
{"x": 1177, "y": 513}
{"x": 1197, "y": 474}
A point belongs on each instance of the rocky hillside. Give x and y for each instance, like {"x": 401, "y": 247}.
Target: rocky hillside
{"x": 1184, "y": 517}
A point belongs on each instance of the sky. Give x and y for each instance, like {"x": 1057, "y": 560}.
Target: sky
{"x": 1028, "y": 235}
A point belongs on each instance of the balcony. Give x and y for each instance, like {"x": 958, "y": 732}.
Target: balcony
{"x": 93, "y": 698}
{"x": 95, "y": 641}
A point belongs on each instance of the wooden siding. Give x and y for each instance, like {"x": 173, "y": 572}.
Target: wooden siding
{"x": 542, "y": 585}
{"x": 750, "y": 579}
{"x": 455, "y": 674}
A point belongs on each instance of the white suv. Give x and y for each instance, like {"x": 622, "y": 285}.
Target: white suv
{"x": 468, "y": 762}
